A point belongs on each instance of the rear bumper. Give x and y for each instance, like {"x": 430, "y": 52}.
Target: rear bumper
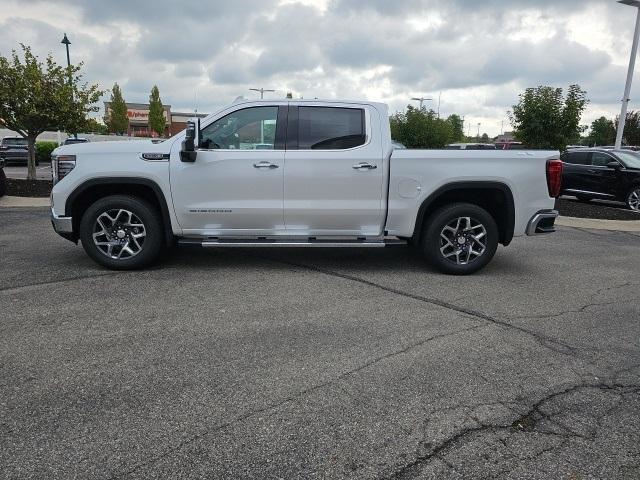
{"x": 542, "y": 222}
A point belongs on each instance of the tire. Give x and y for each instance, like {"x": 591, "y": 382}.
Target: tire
{"x": 457, "y": 223}
{"x": 133, "y": 237}
{"x": 584, "y": 198}
{"x": 633, "y": 199}
{"x": 3, "y": 183}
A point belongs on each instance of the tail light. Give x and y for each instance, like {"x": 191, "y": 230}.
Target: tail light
{"x": 554, "y": 177}
{"x": 61, "y": 165}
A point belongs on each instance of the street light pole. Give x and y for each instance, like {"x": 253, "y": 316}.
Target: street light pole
{"x": 66, "y": 43}
{"x": 421, "y": 100}
{"x": 632, "y": 64}
{"x": 261, "y": 90}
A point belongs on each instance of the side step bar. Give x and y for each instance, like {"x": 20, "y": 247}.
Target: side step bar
{"x": 292, "y": 243}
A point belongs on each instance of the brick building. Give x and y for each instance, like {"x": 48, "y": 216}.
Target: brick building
{"x": 138, "y": 114}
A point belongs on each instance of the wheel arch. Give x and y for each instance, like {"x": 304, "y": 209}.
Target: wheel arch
{"x": 490, "y": 195}
{"x": 88, "y": 192}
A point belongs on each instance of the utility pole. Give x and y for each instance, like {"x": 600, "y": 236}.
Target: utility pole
{"x": 421, "y": 100}
{"x": 261, "y": 90}
{"x": 632, "y": 65}
{"x": 66, "y": 43}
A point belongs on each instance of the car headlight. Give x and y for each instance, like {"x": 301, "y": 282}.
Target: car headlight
{"x": 61, "y": 165}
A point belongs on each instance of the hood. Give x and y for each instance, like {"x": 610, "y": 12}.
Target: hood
{"x": 121, "y": 146}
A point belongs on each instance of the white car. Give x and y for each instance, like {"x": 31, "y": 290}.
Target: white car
{"x": 331, "y": 179}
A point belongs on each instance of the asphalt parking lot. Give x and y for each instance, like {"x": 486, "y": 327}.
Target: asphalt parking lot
{"x": 319, "y": 364}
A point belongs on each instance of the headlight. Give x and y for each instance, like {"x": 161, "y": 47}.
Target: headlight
{"x": 61, "y": 165}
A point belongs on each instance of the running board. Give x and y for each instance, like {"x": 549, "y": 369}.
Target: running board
{"x": 292, "y": 243}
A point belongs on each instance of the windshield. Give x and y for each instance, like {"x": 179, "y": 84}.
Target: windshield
{"x": 630, "y": 159}
{"x": 12, "y": 142}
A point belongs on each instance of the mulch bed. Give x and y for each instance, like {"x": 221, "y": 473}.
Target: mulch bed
{"x": 28, "y": 188}
{"x": 569, "y": 207}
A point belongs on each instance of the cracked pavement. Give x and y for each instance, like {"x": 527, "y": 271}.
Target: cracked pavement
{"x": 319, "y": 363}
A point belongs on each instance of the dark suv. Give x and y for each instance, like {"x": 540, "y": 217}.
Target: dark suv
{"x": 603, "y": 174}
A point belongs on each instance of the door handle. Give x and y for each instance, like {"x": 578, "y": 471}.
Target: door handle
{"x": 364, "y": 166}
{"x": 268, "y": 165}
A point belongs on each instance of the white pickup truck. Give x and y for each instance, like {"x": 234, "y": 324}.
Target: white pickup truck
{"x": 298, "y": 174}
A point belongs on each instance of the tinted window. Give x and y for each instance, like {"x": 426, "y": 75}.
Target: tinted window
{"x": 576, "y": 158}
{"x": 330, "y": 128}
{"x": 247, "y": 129}
{"x": 599, "y": 159}
{"x": 14, "y": 142}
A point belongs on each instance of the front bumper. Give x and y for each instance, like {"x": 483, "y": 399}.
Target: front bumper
{"x": 63, "y": 226}
{"x": 542, "y": 222}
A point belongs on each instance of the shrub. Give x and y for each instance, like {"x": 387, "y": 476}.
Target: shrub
{"x": 44, "y": 149}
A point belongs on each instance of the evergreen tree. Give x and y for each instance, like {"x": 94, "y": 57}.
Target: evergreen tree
{"x": 116, "y": 118}
{"x": 157, "y": 122}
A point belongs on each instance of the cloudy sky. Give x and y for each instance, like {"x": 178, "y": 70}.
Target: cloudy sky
{"x": 479, "y": 54}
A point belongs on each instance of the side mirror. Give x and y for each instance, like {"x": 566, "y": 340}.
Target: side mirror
{"x": 188, "y": 151}
{"x": 614, "y": 165}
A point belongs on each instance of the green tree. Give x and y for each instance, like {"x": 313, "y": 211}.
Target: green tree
{"x": 545, "y": 118}
{"x": 37, "y": 96}
{"x": 457, "y": 127}
{"x": 420, "y": 128}
{"x": 484, "y": 138}
{"x": 93, "y": 126}
{"x": 603, "y": 132}
{"x": 157, "y": 122}
{"x": 116, "y": 118}
{"x": 631, "y": 134}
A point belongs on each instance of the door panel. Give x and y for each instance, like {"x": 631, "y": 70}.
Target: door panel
{"x": 598, "y": 177}
{"x": 235, "y": 186}
{"x": 332, "y": 187}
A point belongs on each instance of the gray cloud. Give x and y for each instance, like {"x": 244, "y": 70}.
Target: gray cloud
{"x": 480, "y": 53}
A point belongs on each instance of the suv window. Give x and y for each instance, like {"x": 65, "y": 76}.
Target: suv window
{"x": 330, "y": 128}
{"x": 599, "y": 159}
{"x": 247, "y": 129}
{"x": 576, "y": 158}
{"x": 14, "y": 142}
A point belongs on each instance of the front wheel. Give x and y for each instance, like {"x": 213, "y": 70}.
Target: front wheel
{"x": 122, "y": 232}
{"x": 460, "y": 239}
{"x": 633, "y": 199}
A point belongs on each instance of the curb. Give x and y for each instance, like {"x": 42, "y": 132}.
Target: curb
{"x": 24, "y": 201}
{"x": 594, "y": 224}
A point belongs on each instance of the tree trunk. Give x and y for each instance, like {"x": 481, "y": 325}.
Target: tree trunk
{"x": 31, "y": 164}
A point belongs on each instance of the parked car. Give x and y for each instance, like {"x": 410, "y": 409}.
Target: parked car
{"x": 3, "y": 179}
{"x": 14, "y": 150}
{"x": 604, "y": 174}
{"x": 73, "y": 140}
{"x": 342, "y": 185}
{"x": 471, "y": 146}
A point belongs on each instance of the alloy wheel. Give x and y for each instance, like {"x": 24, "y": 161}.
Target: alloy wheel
{"x": 119, "y": 234}
{"x": 634, "y": 200}
{"x": 463, "y": 240}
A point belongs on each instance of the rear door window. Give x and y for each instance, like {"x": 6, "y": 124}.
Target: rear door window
{"x": 576, "y": 158}
{"x": 330, "y": 128}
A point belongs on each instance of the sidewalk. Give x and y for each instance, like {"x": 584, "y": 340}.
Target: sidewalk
{"x": 24, "y": 201}
{"x": 593, "y": 224}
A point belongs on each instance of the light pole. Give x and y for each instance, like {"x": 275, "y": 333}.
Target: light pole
{"x": 479, "y": 131}
{"x": 632, "y": 64}
{"x": 261, "y": 90}
{"x": 421, "y": 100}
{"x": 66, "y": 43}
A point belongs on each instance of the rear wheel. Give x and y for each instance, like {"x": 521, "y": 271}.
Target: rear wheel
{"x": 633, "y": 199}
{"x": 460, "y": 239}
{"x": 122, "y": 232}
